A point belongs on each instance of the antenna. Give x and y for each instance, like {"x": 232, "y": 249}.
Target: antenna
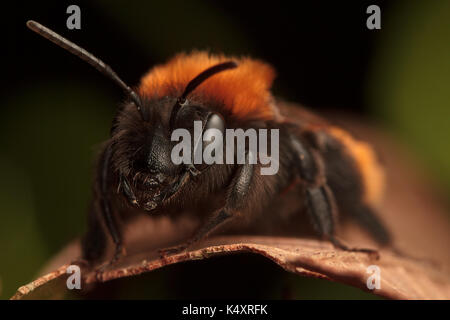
{"x": 86, "y": 56}
{"x": 198, "y": 80}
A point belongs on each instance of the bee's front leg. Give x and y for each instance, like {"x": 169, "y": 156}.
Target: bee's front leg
{"x": 235, "y": 202}
{"x": 101, "y": 219}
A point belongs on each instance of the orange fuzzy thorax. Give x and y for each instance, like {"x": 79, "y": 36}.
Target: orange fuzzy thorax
{"x": 243, "y": 91}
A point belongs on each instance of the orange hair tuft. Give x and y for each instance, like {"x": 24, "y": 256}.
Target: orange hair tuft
{"x": 243, "y": 91}
{"x": 371, "y": 171}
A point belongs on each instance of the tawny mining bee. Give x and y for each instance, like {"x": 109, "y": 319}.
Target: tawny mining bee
{"x": 328, "y": 169}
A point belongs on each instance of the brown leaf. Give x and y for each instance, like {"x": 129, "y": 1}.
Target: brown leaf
{"x": 413, "y": 210}
{"x": 401, "y": 278}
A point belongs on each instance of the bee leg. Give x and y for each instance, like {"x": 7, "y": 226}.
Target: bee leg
{"x": 94, "y": 243}
{"x": 349, "y": 193}
{"x": 235, "y": 201}
{"x": 368, "y": 220}
{"x": 321, "y": 207}
{"x": 217, "y": 219}
{"x": 321, "y": 203}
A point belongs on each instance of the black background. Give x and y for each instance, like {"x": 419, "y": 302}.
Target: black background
{"x": 320, "y": 49}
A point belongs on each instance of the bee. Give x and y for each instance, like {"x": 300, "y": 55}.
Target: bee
{"x": 328, "y": 171}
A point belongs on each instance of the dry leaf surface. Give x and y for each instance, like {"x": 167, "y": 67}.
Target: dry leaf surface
{"x": 414, "y": 212}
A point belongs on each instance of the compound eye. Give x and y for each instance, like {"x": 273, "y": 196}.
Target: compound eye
{"x": 213, "y": 131}
{"x": 214, "y": 121}
{"x": 214, "y": 128}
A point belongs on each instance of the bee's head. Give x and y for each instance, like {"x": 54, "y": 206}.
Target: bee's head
{"x": 140, "y": 143}
{"x": 141, "y": 154}
{"x": 142, "y": 146}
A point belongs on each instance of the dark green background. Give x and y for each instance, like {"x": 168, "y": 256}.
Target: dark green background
{"x": 56, "y": 109}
